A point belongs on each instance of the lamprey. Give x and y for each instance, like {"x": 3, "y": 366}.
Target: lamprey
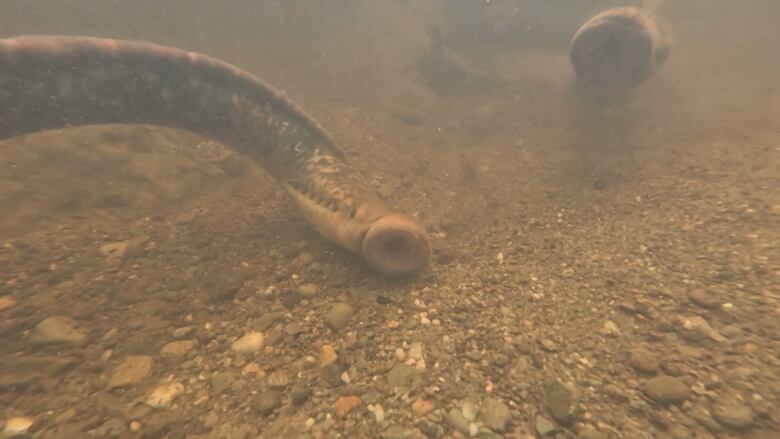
{"x": 55, "y": 82}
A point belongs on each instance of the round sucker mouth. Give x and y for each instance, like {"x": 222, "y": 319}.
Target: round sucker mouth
{"x": 396, "y": 246}
{"x": 612, "y": 52}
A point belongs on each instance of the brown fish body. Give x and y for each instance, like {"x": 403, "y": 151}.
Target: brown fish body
{"x": 49, "y": 82}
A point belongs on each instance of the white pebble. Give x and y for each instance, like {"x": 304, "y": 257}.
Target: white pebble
{"x": 379, "y": 413}
{"x": 162, "y": 396}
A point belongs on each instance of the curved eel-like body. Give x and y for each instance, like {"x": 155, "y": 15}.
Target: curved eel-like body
{"x": 49, "y": 82}
{"x": 619, "y": 47}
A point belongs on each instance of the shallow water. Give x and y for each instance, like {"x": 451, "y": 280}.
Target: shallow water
{"x": 596, "y": 241}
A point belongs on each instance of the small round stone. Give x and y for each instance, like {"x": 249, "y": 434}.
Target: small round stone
{"x": 666, "y": 389}
{"x": 643, "y": 361}
{"x": 704, "y": 298}
{"x": 308, "y": 290}
{"x": 500, "y": 360}
{"x": 338, "y": 316}
{"x": 562, "y": 401}
{"x": 495, "y": 414}
{"x": 58, "y": 329}
{"x": 733, "y": 414}
{"x": 132, "y": 370}
{"x": 268, "y": 401}
{"x": 543, "y": 425}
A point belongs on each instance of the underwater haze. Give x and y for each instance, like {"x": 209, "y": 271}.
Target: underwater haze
{"x": 390, "y": 219}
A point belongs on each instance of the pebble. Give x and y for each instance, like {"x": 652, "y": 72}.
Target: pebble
{"x": 291, "y": 299}
{"x": 400, "y": 432}
{"x": 327, "y": 355}
{"x": 266, "y": 321}
{"x": 338, "y": 316}
{"x": 421, "y": 407}
{"x": 268, "y": 401}
{"x": 548, "y": 345}
{"x": 732, "y": 331}
{"x": 132, "y": 370}
{"x": 345, "y": 404}
{"x": 6, "y": 302}
{"x": 704, "y": 298}
{"x": 703, "y": 417}
{"x": 371, "y": 397}
{"x": 615, "y": 392}
{"x": 378, "y": 411}
{"x": 222, "y": 381}
{"x": 278, "y": 379}
{"x": 666, "y": 389}
{"x": 458, "y": 422}
{"x": 178, "y": 348}
{"x": 743, "y": 373}
{"x": 677, "y": 431}
{"x": 182, "y": 332}
{"x": 543, "y": 426}
{"x": 470, "y": 411}
{"x": 163, "y": 396}
{"x": 643, "y": 361}
{"x": 610, "y": 328}
{"x": 589, "y": 432}
{"x": 249, "y": 343}
{"x": 732, "y": 413}
{"x": 332, "y": 374}
{"x": 17, "y": 426}
{"x": 308, "y": 291}
{"x": 431, "y": 429}
{"x": 696, "y": 328}
{"x": 562, "y": 401}
{"x": 294, "y": 329}
{"x": 385, "y": 190}
{"x": 299, "y": 395}
{"x": 58, "y": 329}
{"x": 404, "y": 377}
{"x": 500, "y": 360}
{"x": 495, "y": 414}
{"x": 115, "y": 250}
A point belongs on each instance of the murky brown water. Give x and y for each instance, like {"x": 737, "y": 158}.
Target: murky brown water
{"x": 596, "y": 242}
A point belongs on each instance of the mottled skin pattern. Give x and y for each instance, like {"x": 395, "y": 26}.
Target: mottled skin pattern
{"x": 619, "y": 47}
{"x": 49, "y": 82}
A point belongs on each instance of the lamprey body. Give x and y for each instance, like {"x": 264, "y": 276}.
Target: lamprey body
{"x": 52, "y": 82}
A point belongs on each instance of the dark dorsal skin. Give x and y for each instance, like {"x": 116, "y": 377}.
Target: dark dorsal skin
{"x": 51, "y": 82}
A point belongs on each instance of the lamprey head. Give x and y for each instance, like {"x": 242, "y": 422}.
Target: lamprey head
{"x": 396, "y": 245}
